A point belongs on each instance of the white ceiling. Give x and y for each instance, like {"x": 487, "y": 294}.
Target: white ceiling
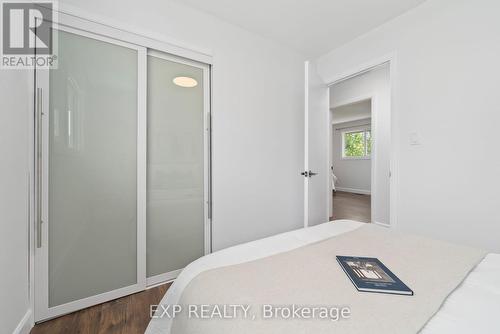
{"x": 352, "y": 112}
{"x": 312, "y": 27}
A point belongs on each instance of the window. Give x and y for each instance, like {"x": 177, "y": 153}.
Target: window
{"x": 357, "y": 144}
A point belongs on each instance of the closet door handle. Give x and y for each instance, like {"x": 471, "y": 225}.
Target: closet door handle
{"x": 39, "y": 174}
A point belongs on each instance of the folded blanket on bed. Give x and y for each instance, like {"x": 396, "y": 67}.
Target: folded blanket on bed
{"x": 311, "y": 277}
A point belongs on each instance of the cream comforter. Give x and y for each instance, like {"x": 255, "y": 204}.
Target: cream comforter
{"x": 309, "y": 275}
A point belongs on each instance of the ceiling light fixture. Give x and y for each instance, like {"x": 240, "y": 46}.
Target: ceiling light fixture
{"x": 185, "y": 82}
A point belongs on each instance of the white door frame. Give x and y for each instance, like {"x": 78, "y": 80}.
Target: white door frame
{"x": 73, "y": 20}
{"x": 391, "y": 61}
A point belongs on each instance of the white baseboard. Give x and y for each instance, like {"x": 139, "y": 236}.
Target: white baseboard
{"x": 154, "y": 281}
{"x": 382, "y": 224}
{"x": 354, "y": 191}
{"x": 25, "y": 325}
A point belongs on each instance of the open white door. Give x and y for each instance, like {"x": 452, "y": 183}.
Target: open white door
{"x": 316, "y": 174}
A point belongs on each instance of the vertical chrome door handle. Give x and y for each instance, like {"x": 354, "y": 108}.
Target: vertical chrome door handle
{"x": 39, "y": 175}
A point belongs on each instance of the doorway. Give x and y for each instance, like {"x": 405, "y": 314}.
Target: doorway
{"x": 366, "y": 84}
{"x": 359, "y": 147}
{"x": 350, "y": 156}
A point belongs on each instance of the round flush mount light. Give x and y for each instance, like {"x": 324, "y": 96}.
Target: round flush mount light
{"x": 185, "y": 82}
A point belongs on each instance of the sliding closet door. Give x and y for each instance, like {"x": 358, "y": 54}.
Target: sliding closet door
{"x": 177, "y": 165}
{"x": 92, "y": 174}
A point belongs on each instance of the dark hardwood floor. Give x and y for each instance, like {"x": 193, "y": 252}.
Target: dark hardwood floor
{"x": 127, "y": 315}
{"x": 351, "y": 206}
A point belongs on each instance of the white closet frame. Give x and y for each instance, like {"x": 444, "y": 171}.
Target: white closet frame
{"x": 84, "y": 25}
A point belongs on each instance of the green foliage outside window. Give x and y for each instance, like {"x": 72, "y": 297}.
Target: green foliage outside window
{"x": 357, "y": 144}
{"x": 354, "y": 144}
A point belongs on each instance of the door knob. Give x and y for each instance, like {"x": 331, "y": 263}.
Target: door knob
{"x": 312, "y": 174}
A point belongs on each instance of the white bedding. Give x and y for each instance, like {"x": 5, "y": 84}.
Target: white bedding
{"x": 473, "y": 306}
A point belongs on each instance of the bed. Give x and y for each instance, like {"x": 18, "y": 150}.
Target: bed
{"x": 465, "y": 301}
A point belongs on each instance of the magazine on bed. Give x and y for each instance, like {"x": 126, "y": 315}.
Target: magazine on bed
{"x": 370, "y": 275}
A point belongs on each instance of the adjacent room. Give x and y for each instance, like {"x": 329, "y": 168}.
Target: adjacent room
{"x": 249, "y": 167}
{"x": 351, "y": 149}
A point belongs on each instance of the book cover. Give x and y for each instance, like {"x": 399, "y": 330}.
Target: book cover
{"x": 369, "y": 274}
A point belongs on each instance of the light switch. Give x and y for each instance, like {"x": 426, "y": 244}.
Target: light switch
{"x": 414, "y": 138}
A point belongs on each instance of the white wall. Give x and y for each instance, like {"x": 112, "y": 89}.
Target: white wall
{"x": 375, "y": 84}
{"x": 14, "y": 113}
{"x": 354, "y": 175}
{"x": 447, "y": 77}
{"x": 352, "y": 112}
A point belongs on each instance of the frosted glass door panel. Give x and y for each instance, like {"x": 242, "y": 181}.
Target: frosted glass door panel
{"x": 175, "y": 182}
{"x": 92, "y": 169}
